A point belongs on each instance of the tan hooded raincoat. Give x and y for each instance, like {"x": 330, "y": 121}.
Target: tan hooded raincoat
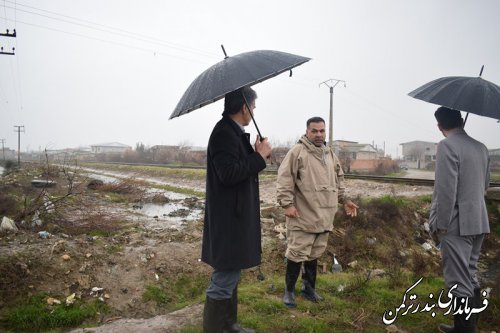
{"x": 311, "y": 179}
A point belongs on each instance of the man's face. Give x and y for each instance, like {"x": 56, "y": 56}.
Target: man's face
{"x": 316, "y": 133}
{"x": 246, "y": 115}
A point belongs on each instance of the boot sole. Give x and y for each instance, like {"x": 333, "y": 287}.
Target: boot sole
{"x": 311, "y": 298}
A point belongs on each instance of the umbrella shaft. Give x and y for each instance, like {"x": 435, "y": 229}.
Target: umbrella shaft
{"x": 251, "y": 115}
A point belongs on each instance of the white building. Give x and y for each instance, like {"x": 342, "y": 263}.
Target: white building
{"x": 417, "y": 154}
{"x": 112, "y": 147}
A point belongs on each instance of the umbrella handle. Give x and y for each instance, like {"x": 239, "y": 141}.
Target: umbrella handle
{"x": 466, "y": 116}
{"x": 251, "y": 115}
{"x": 256, "y": 127}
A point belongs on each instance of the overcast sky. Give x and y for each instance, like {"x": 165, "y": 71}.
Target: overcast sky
{"x": 88, "y": 72}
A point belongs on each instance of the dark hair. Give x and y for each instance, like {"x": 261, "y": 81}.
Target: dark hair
{"x": 234, "y": 100}
{"x": 315, "y": 120}
{"x": 448, "y": 118}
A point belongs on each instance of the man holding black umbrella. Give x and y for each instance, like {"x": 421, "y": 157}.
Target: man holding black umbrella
{"x": 231, "y": 234}
{"x": 458, "y": 214}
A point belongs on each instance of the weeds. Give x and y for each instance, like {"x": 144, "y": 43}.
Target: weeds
{"x": 493, "y": 208}
{"x": 156, "y": 294}
{"x": 495, "y": 177}
{"x": 154, "y": 170}
{"x": 359, "y": 307}
{"x": 390, "y": 200}
{"x": 182, "y": 190}
{"x": 36, "y": 315}
{"x": 396, "y": 276}
{"x": 176, "y": 292}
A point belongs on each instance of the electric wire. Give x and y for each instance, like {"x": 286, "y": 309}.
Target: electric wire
{"x": 113, "y": 30}
{"x": 155, "y": 52}
{"x": 21, "y": 104}
{"x": 15, "y": 83}
{"x": 360, "y": 99}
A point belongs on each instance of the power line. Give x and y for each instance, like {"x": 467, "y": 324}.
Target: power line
{"x": 112, "y": 30}
{"x": 113, "y": 42}
{"x": 21, "y": 104}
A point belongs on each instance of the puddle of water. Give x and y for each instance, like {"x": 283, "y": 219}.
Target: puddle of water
{"x": 168, "y": 215}
{"x": 170, "y": 210}
{"x": 159, "y": 216}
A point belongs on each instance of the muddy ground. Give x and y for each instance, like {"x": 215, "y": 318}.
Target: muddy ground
{"x": 117, "y": 245}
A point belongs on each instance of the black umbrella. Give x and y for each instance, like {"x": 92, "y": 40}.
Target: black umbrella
{"x": 233, "y": 73}
{"x": 469, "y": 94}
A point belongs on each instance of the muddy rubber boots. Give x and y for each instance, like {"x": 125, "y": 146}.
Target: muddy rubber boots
{"x": 214, "y": 315}
{"x": 220, "y": 316}
{"x": 291, "y": 276}
{"x": 460, "y": 322}
{"x": 309, "y": 281}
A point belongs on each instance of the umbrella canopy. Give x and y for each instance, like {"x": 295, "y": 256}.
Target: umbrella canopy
{"x": 232, "y": 73}
{"x": 469, "y": 94}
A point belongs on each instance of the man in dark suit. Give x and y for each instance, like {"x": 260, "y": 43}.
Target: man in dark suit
{"x": 458, "y": 212}
{"x": 231, "y": 233}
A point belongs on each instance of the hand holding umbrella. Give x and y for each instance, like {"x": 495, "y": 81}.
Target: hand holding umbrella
{"x": 263, "y": 147}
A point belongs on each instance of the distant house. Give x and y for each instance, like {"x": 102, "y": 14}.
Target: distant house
{"x": 8, "y": 153}
{"x": 494, "y": 159}
{"x": 183, "y": 154}
{"x": 494, "y": 152}
{"x": 112, "y": 147}
{"x": 361, "y": 157}
{"x": 417, "y": 154}
{"x": 354, "y": 151}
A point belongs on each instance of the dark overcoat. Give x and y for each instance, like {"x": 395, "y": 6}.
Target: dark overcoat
{"x": 231, "y": 232}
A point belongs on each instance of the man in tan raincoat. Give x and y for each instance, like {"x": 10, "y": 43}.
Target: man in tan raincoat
{"x": 310, "y": 186}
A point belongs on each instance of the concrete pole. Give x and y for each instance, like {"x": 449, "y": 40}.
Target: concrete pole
{"x": 330, "y": 126}
{"x": 19, "y": 129}
{"x": 331, "y": 83}
{"x": 3, "y": 149}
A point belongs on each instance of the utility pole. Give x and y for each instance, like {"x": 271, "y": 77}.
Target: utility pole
{"x": 331, "y": 83}
{"x": 19, "y": 129}
{"x": 8, "y": 35}
{"x": 3, "y": 148}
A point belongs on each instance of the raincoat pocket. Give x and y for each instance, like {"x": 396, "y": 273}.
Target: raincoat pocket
{"x": 326, "y": 196}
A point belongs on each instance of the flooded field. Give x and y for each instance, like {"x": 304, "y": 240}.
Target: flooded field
{"x": 174, "y": 210}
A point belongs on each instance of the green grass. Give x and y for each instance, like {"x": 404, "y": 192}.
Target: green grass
{"x": 182, "y": 190}
{"x": 35, "y": 315}
{"x": 177, "y": 292}
{"x": 495, "y": 177}
{"x": 186, "y": 173}
{"x": 351, "y": 304}
{"x": 425, "y": 198}
{"x": 396, "y": 174}
{"x": 493, "y": 208}
{"x": 394, "y": 200}
{"x": 156, "y": 294}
